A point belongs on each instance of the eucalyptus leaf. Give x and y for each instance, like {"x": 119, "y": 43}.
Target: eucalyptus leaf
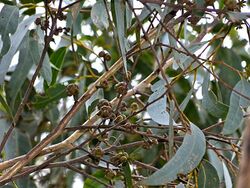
{"x": 120, "y": 13}
{"x": 127, "y": 175}
{"x": 184, "y": 103}
{"x": 238, "y": 16}
{"x": 16, "y": 40}
{"x": 237, "y": 102}
{"x": 17, "y": 144}
{"x": 210, "y": 102}
{"x": 22, "y": 69}
{"x": 99, "y": 15}
{"x": 53, "y": 94}
{"x": 227, "y": 177}
{"x": 187, "y": 157}
{"x": 99, "y": 94}
{"x": 158, "y": 109}
{"x": 8, "y": 25}
{"x": 231, "y": 58}
{"x": 56, "y": 59}
{"x": 5, "y": 106}
{"x": 207, "y": 176}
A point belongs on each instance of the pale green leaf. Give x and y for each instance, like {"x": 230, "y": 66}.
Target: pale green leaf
{"x": 184, "y": 103}
{"x": 210, "y": 102}
{"x": 158, "y": 109}
{"x": 56, "y": 59}
{"x": 21, "y": 71}
{"x": 227, "y": 177}
{"x": 237, "y": 102}
{"x": 120, "y": 10}
{"x": 127, "y": 175}
{"x": 187, "y": 157}
{"x": 207, "y": 176}
{"x": 238, "y": 16}
{"x": 8, "y": 24}
{"x": 99, "y": 15}
{"x": 16, "y": 40}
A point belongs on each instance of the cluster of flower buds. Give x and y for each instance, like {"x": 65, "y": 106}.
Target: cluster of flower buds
{"x": 105, "y": 56}
{"x": 120, "y": 158}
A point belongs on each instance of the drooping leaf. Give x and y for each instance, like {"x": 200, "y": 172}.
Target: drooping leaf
{"x": 227, "y": 177}
{"x": 237, "y": 102}
{"x": 158, "y": 109}
{"x": 184, "y": 103}
{"x": 127, "y": 175}
{"x": 22, "y": 69}
{"x": 120, "y": 17}
{"x": 16, "y": 40}
{"x": 186, "y": 60}
{"x": 36, "y": 48}
{"x": 17, "y": 144}
{"x": 53, "y": 94}
{"x": 238, "y": 16}
{"x": 129, "y": 13}
{"x": 230, "y": 57}
{"x": 56, "y": 59}
{"x": 207, "y": 176}
{"x": 187, "y": 157}
{"x": 8, "y": 24}
{"x": 92, "y": 101}
{"x": 99, "y": 15}
{"x": 210, "y": 102}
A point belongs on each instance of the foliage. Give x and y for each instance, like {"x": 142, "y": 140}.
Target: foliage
{"x": 123, "y": 93}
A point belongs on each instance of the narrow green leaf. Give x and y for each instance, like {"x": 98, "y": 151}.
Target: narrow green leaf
{"x": 16, "y": 40}
{"x": 187, "y": 157}
{"x": 56, "y": 59}
{"x": 231, "y": 58}
{"x": 53, "y": 94}
{"x": 184, "y": 103}
{"x": 171, "y": 129}
{"x": 8, "y": 24}
{"x": 129, "y": 14}
{"x": 210, "y": 102}
{"x": 120, "y": 9}
{"x": 18, "y": 144}
{"x": 5, "y": 106}
{"x": 237, "y": 102}
{"x": 36, "y": 47}
{"x": 186, "y": 60}
{"x": 92, "y": 101}
{"x": 21, "y": 71}
{"x": 127, "y": 175}
{"x": 99, "y": 15}
{"x": 238, "y": 16}
{"x": 227, "y": 177}
{"x": 207, "y": 176}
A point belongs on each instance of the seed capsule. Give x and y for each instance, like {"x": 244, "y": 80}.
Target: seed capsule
{"x": 72, "y": 89}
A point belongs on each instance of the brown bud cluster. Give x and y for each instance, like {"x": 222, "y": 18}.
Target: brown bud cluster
{"x": 105, "y": 56}
{"x": 110, "y": 174}
{"x": 105, "y": 109}
{"x": 119, "y": 158}
{"x": 72, "y": 90}
{"x": 121, "y": 88}
{"x": 97, "y": 152}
